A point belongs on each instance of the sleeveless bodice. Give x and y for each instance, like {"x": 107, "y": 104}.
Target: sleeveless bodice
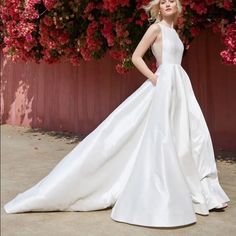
{"x": 170, "y": 49}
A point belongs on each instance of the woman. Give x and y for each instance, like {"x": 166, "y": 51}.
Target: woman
{"x": 151, "y": 159}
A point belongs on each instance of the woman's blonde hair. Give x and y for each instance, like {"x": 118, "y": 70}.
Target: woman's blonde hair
{"x": 153, "y": 9}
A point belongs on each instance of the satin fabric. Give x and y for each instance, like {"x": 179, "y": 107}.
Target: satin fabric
{"x": 151, "y": 159}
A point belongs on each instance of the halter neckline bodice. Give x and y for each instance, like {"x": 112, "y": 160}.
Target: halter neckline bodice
{"x": 172, "y": 28}
{"x": 169, "y": 50}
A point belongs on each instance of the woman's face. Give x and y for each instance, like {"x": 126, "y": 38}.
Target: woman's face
{"x": 168, "y": 7}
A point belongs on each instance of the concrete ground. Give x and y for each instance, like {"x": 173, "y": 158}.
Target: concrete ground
{"x": 27, "y": 155}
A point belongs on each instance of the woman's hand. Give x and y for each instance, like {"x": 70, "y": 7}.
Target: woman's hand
{"x": 153, "y": 79}
{"x": 152, "y": 34}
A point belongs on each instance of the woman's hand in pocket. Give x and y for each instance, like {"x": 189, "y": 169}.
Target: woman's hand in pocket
{"x": 154, "y": 79}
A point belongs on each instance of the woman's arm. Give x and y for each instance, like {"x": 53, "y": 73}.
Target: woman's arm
{"x": 149, "y": 37}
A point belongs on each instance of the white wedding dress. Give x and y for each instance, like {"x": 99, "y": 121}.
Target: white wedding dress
{"x": 151, "y": 159}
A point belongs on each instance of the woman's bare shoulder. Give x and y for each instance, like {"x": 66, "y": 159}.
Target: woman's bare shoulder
{"x": 155, "y": 27}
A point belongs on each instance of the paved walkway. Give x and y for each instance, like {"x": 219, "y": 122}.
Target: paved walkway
{"x": 28, "y": 155}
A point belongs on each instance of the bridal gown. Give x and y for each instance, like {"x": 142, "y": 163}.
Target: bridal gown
{"x": 151, "y": 160}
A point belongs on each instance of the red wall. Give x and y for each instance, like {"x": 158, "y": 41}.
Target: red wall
{"x": 214, "y": 84}
{"x": 76, "y": 99}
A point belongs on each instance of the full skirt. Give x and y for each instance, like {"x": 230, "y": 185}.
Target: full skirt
{"x": 151, "y": 160}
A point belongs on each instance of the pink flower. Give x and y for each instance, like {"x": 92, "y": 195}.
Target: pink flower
{"x": 143, "y": 16}
{"x": 118, "y": 55}
{"x": 228, "y": 4}
{"x": 63, "y": 38}
{"x": 200, "y": 8}
{"x": 48, "y": 21}
{"x": 112, "y": 5}
{"x": 49, "y": 4}
{"x": 229, "y": 39}
{"x": 120, "y": 69}
{"x": 28, "y": 37}
{"x": 107, "y": 31}
{"x": 194, "y": 31}
{"x": 90, "y": 6}
{"x": 85, "y": 54}
{"x": 75, "y": 61}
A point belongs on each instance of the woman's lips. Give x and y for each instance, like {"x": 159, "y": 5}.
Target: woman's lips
{"x": 168, "y": 9}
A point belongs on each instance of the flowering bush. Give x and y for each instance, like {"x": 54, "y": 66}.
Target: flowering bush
{"x": 229, "y": 54}
{"x": 216, "y": 14}
{"x": 49, "y": 30}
